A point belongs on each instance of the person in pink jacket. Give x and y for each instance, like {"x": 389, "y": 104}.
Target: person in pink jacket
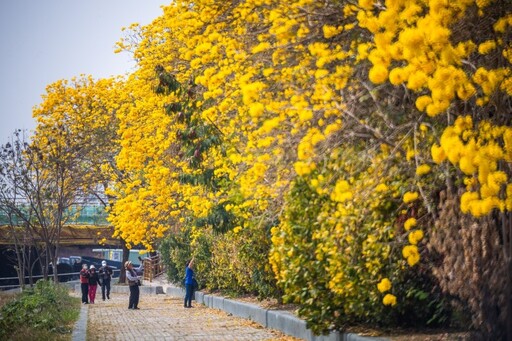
{"x": 93, "y": 283}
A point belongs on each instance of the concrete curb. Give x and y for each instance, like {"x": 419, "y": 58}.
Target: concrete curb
{"x": 80, "y": 329}
{"x": 288, "y": 324}
{"x": 71, "y": 284}
{"x": 179, "y": 292}
{"x": 246, "y": 310}
{"x": 273, "y": 319}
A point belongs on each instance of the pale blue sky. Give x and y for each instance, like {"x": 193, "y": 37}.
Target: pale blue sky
{"x": 42, "y": 41}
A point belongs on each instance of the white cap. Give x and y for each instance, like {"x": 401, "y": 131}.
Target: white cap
{"x": 92, "y": 267}
{"x": 104, "y": 263}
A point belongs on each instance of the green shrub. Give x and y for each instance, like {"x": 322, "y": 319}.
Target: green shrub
{"x": 45, "y": 308}
{"x": 340, "y": 235}
{"x": 175, "y": 250}
{"x": 254, "y": 244}
{"x": 236, "y": 263}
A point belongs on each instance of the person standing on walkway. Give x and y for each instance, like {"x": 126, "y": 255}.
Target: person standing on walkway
{"x": 93, "y": 283}
{"x": 189, "y": 283}
{"x": 84, "y": 283}
{"x": 133, "y": 283}
{"x": 105, "y": 273}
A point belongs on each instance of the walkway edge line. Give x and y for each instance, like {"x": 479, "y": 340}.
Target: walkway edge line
{"x": 80, "y": 329}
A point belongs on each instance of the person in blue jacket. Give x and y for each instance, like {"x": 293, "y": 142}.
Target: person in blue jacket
{"x": 189, "y": 283}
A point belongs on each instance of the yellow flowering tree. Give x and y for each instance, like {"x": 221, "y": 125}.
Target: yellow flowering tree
{"x": 277, "y": 82}
{"x": 352, "y": 116}
{"x": 462, "y": 81}
{"x": 71, "y": 147}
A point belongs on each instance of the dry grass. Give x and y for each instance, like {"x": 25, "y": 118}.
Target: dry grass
{"x": 6, "y": 297}
{"x": 392, "y": 335}
{"x": 431, "y": 336}
{"x": 26, "y": 333}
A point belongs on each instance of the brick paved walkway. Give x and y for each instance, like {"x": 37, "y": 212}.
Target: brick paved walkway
{"x": 164, "y": 318}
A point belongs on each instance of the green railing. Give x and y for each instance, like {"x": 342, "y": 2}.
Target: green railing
{"x": 88, "y": 215}
{"x": 79, "y": 215}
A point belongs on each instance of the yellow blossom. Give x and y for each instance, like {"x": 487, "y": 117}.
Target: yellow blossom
{"x": 410, "y": 197}
{"x": 381, "y": 188}
{"x": 416, "y": 81}
{"x": 410, "y": 252}
{"x": 389, "y": 299}
{"x": 422, "y": 170}
{"x": 384, "y": 285}
{"x": 422, "y": 102}
{"x": 331, "y": 31}
{"x": 486, "y": 47}
{"x": 438, "y": 154}
{"x": 256, "y": 110}
{"x": 415, "y": 236}
{"x": 411, "y": 222}
{"x": 341, "y": 192}
{"x": 378, "y": 74}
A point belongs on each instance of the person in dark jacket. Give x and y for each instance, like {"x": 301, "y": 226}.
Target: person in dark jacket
{"x": 105, "y": 273}
{"x": 84, "y": 283}
{"x": 133, "y": 283}
{"x": 94, "y": 279}
{"x": 189, "y": 284}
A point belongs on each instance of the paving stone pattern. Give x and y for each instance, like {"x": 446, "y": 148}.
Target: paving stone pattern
{"x": 164, "y": 318}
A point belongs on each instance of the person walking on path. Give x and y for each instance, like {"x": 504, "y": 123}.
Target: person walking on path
{"x": 84, "y": 283}
{"x": 189, "y": 283}
{"x": 105, "y": 273}
{"x": 133, "y": 283}
{"x": 93, "y": 283}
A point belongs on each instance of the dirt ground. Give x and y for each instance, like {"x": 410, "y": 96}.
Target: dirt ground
{"x": 433, "y": 336}
{"x": 6, "y": 297}
{"x": 399, "y": 335}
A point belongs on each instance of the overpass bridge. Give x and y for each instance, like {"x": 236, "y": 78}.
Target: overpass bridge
{"x": 87, "y": 225}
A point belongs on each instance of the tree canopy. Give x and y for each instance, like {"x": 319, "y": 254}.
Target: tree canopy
{"x": 327, "y": 134}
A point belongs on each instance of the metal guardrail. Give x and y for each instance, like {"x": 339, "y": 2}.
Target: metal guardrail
{"x": 41, "y": 276}
{"x": 82, "y": 215}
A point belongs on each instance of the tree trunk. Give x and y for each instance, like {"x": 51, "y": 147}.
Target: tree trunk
{"x": 507, "y": 253}
{"x": 31, "y": 273}
{"x": 20, "y": 269}
{"x": 126, "y": 256}
{"x": 508, "y": 292}
{"x": 55, "y": 271}
{"x": 51, "y": 258}
{"x": 43, "y": 263}
{"x": 56, "y": 256}
{"x": 20, "y": 260}
{"x": 19, "y": 250}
